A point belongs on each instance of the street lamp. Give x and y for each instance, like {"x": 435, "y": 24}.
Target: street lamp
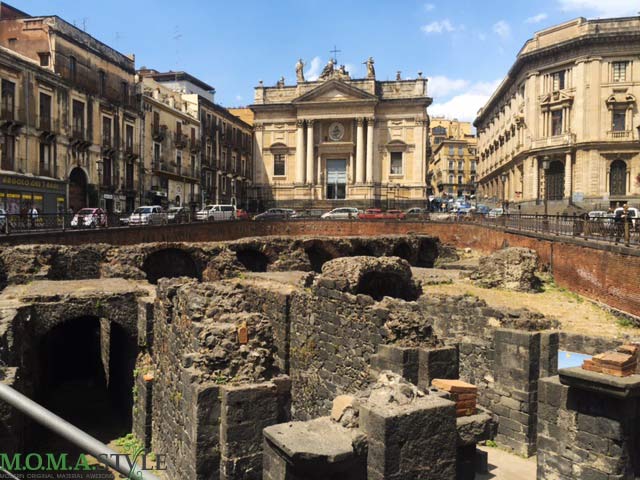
{"x": 546, "y": 163}
{"x": 503, "y": 179}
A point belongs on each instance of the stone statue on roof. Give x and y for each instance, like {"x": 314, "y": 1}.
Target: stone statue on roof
{"x": 300, "y": 70}
{"x": 371, "y": 71}
{"x": 327, "y": 71}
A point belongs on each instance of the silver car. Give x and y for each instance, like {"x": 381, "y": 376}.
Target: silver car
{"x": 342, "y": 213}
{"x": 150, "y": 215}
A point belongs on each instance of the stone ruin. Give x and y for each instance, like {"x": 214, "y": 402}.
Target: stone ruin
{"x": 292, "y": 358}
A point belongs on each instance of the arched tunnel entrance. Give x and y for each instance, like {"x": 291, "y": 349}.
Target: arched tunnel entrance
{"x": 170, "y": 263}
{"x": 318, "y": 256}
{"x": 85, "y": 375}
{"x": 403, "y": 251}
{"x": 253, "y": 260}
{"x": 382, "y": 284}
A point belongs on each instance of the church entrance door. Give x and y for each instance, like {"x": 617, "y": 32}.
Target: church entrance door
{"x": 336, "y": 179}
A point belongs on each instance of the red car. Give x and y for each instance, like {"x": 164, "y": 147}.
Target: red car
{"x": 378, "y": 214}
{"x": 242, "y": 214}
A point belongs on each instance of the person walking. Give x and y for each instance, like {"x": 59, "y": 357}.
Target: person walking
{"x": 33, "y": 216}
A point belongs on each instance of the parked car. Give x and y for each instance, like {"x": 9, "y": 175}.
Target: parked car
{"x": 242, "y": 214}
{"x": 311, "y": 214}
{"x": 217, "y": 212}
{"x": 178, "y": 215}
{"x": 276, "y": 214}
{"x": 415, "y": 212}
{"x": 3, "y": 218}
{"x": 482, "y": 209}
{"x": 89, "y": 218}
{"x": 342, "y": 213}
{"x": 378, "y": 214}
{"x": 149, "y": 215}
{"x": 495, "y": 212}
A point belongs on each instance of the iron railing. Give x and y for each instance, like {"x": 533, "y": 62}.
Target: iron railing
{"x": 604, "y": 229}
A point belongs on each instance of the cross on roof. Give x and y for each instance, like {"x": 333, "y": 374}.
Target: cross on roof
{"x": 335, "y": 52}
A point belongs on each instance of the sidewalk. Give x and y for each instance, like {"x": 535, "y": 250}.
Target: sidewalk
{"x": 507, "y": 466}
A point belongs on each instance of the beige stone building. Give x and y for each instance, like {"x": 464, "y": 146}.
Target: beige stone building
{"x": 341, "y": 141}
{"x": 443, "y": 128}
{"x": 69, "y": 117}
{"x": 570, "y": 104}
{"x": 453, "y": 167}
{"x": 171, "y": 147}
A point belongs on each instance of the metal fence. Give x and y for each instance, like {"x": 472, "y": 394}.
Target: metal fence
{"x": 599, "y": 229}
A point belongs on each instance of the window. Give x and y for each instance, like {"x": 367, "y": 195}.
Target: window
{"x": 438, "y": 140}
{"x": 78, "y": 118}
{"x": 279, "y": 165}
{"x": 8, "y": 98}
{"x": 452, "y": 164}
{"x": 156, "y": 153}
{"x": 128, "y": 137}
{"x": 556, "y": 122}
{"x": 45, "y": 112}
{"x": 460, "y": 164}
{"x": 460, "y": 151}
{"x": 124, "y": 86}
{"x": 451, "y": 177}
{"x": 452, "y": 150}
{"x": 234, "y": 162}
{"x": 7, "y": 161}
{"x": 619, "y": 120}
{"x": 44, "y": 58}
{"x": 620, "y": 71}
{"x": 558, "y": 80}
{"x": 179, "y": 162}
{"x": 102, "y": 82}
{"x": 439, "y": 131}
{"x": 73, "y": 68}
{"x": 193, "y": 166}
{"x": 107, "y": 172}
{"x": 46, "y": 164}
{"x": 473, "y": 165}
{"x": 106, "y": 132}
{"x": 460, "y": 182}
{"x": 396, "y": 163}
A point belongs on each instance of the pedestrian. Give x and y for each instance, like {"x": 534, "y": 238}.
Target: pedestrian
{"x": 33, "y": 216}
{"x": 618, "y": 222}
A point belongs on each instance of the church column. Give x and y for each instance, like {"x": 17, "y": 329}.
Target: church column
{"x": 360, "y": 151}
{"x": 300, "y": 152}
{"x": 370, "y": 124}
{"x": 568, "y": 175}
{"x": 310, "y": 173}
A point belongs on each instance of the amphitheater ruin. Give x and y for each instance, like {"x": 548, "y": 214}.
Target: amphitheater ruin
{"x": 306, "y": 357}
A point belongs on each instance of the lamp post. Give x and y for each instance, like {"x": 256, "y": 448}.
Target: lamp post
{"x": 546, "y": 163}
{"x": 503, "y": 179}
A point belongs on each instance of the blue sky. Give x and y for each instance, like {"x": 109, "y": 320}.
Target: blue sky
{"x": 464, "y": 47}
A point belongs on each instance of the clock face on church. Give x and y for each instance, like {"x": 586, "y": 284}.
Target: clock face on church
{"x": 336, "y": 131}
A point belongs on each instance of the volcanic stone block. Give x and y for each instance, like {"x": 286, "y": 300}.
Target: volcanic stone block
{"x": 401, "y": 360}
{"x": 417, "y": 440}
{"x": 315, "y": 450}
{"x": 437, "y": 363}
{"x": 246, "y": 410}
{"x": 588, "y": 426}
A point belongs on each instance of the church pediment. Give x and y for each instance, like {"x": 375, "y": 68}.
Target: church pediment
{"x": 335, "y": 91}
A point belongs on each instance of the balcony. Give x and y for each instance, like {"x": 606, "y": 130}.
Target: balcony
{"x": 47, "y": 124}
{"x": 158, "y": 132}
{"x": 620, "y": 136}
{"x": 180, "y": 140}
{"x": 564, "y": 140}
{"x": 12, "y": 119}
{"x": 194, "y": 145}
{"x": 132, "y": 149}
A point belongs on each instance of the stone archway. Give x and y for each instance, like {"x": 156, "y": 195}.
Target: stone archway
{"x": 77, "y": 189}
{"x": 253, "y": 260}
{"x": 170, "y": 263}
{"x": 618, "y": 178}
{"x": 318, "y": 256}
{"x": 84, "y": 373}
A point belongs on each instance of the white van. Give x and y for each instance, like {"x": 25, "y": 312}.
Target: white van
{"x": 222, "y": 212}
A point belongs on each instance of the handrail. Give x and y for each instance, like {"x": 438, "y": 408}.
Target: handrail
{"x": 73, "y": 434}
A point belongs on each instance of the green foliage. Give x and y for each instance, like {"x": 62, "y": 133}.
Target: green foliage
{"x": 491, "y": 443}
{"x": 624, "y": 322}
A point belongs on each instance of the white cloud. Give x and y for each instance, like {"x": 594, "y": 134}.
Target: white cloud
{"x": 537, "y": 18}
{"x": 439, "y": 26}
{"x": 602, "y": 8}
{"x": 466, "y": 105}
{"x": 428, "y": 7}
{"x": 315, "y": 68}
{"x": 239, "y": 98}
{"x": 482, "y": 36}
{"x": 502, "y": 28}
{"x": 441, "y": 86}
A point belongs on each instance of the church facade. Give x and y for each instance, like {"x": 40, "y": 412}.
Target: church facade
{"x": 340, "y": 141}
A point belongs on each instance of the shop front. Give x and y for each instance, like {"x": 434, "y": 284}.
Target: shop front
{"x": 19, "y": 193}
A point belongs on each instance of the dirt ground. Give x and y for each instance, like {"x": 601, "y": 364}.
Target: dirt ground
{"x": 576, "y": 313}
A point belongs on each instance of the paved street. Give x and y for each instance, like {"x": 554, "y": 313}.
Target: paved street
{"x": 506, "y": 466}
